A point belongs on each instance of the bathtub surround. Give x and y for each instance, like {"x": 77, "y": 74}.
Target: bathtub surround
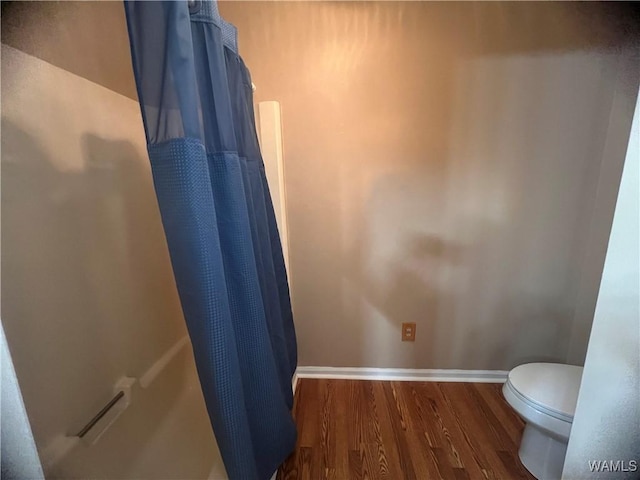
{"x": 445, "y": 164}
{"x": 82, "y": 243}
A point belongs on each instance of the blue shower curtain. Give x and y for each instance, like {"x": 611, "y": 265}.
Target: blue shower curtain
{"x": 196, "y": 100}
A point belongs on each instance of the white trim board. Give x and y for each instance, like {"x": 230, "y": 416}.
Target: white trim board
{"x": 401, "y": 374}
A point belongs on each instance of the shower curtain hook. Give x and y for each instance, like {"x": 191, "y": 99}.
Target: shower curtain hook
{"x": 194, "y": 5}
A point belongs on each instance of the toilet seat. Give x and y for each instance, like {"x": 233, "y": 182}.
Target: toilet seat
{"x": 545, "y": 394}
{"x": 550, "y": 387}
{"x": 541, "y": 408}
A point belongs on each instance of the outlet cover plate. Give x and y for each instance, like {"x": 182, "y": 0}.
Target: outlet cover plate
{"x": 408, "y": 332}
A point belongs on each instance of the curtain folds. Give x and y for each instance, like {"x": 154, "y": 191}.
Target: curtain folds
{"x": 197, "y": 106}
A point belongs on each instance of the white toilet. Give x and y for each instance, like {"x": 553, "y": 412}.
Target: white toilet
{"x": 545, "y": 396}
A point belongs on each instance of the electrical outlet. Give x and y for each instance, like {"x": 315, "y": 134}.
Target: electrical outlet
{"x": 408, "y": 332}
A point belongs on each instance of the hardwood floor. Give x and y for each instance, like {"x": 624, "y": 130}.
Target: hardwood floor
{"x": 350, "y": 429}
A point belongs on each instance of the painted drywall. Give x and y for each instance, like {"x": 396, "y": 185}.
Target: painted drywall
{"x": 86, "y": 38}
{"x": 442, "y": 163}
{"x": 88, "y": 294}
{"x": 606, "y": 426}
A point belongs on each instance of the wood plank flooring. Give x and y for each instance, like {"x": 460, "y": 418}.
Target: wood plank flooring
{"x": 350, "y": 429}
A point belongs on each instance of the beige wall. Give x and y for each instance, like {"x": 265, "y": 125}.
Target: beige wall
{"x": 86, "y": 38}
{"x": 88, "y": 294}
{"x": 441, "y": 167}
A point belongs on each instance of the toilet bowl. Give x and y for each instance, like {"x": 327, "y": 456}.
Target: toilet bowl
{"x": 545, "y": 396}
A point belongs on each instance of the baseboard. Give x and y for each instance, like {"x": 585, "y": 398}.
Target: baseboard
{"x": 401, "y": 374}
{"x": 294, "y": 380}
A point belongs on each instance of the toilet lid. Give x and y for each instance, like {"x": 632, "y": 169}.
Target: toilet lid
{"x": 552, "y": 387}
